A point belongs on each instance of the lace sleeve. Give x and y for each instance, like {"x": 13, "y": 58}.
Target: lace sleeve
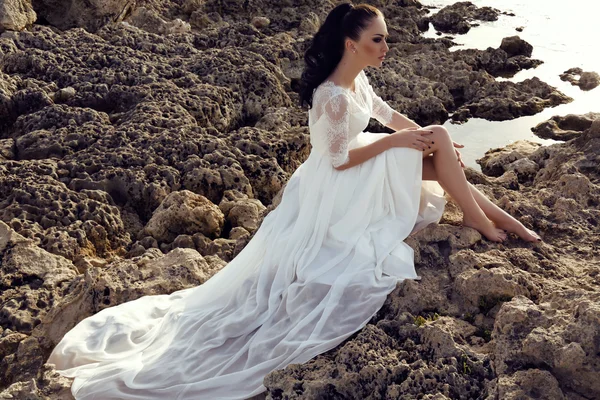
{"x": 337, "y": 114}
{"x": 382, "y": 112}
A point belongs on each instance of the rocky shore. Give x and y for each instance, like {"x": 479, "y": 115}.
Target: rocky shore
{"x": 142, "y": 143}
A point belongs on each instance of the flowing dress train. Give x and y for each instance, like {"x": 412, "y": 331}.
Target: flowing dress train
{"x": 316, "y": 271}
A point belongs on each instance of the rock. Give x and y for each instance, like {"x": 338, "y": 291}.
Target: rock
{"x": 150, "y": 21}
{"x": 515, "y": 46}
{"x": 63, "y": 95}
{"x": 62, "y": 221}
{"x": 310, "y": 24}
{"x": 47, "y": 384}
{"x": 201, "y": 20}
{"x": 260, "y": 22}
{"x": 7, "y": 149}
{"x": 587, "y": 80}
{"x": 222, "y": 248}
{"x": 450, "y": 22}
{"x": 184, "y": 241}
{"x": 282, "y": 17}
{"x": 550, "y": 130}
{"x": 508, "y": 180}
{"x": 90, "y": 15}
{"x": 99, "y": 131}
{"x": 565, "y": 127}
{"x": 240, "y": 211}
{"x": 456, "y": 18}
{"x": 147, "y": 20}
{"x": 529, "y": 383}
{"x": 33, "y": 281}
{"x": 215, "y": 262}
{"x": 497, "y": 161}
{"x": 485, "y": 289}
{"x": 184, "y": 212}
{"x": 238, "y": 233}
{"x": 120, "y": 281}
{"x": 496, "y": 61}
{"x": 46, "y": 137}
{"x": 505, "y": 100}
{"x": 524, "y": 168}
{"x": 445, "y": 335}
{"x": 16, "y": 15}
{"x": 382, "y": 358}
{"x": 152, "y": 273}
{"x": 554, "y": 334}
{"x": 61, "y": 299}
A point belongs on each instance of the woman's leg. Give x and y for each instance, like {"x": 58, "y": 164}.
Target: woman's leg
{"x": 452, "y": 178}
{"x": 499, "y": 217}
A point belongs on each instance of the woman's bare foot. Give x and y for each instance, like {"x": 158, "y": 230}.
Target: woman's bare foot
{"x": 518, "y": 229}
{"x": 485, "y": 227}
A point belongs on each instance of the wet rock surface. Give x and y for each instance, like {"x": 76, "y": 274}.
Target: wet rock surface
{"x": 515, "y": 46}
{"x": 586, "y": 80}
{"x": 141, "y": 146}
{"x": 565, "y": 127}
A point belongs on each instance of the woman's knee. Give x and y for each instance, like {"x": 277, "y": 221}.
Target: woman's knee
{"x": 439, "y": 132}
{"x": 440, "y": 138}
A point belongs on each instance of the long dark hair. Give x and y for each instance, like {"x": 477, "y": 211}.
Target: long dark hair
{"x": 327, "y": 47}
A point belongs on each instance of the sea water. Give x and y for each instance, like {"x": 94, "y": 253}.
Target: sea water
{"x": 563, "y": 34}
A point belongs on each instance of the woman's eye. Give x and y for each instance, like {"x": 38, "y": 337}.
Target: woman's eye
{"x": 377, "y": 40}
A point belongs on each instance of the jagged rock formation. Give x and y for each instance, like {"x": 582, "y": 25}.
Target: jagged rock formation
{"x": 515, "y": 46}
{"x": 565, "y": 128}
{"x": 587, "y": 80}
{"x": 459, "y": 17}
{"x": 486, "y": 321}
{"x": 16, "y": 15}
{"x": 88, "y": 14}
{"x": 160, "y": 142}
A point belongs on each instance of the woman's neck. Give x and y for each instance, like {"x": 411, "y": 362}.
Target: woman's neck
{"x": 345, "y": 72}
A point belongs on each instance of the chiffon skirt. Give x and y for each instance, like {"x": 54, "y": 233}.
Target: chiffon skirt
{"x": 316, "y": 271}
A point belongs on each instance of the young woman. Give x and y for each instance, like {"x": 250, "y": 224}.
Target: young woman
{"x": 321, "y": 264}
{"x": 335, "y": 66}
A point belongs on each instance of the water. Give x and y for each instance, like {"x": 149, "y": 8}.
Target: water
{"x": 563, "y": 34}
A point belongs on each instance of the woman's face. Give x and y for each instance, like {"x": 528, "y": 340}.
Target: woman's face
{"x": 372, "y": 47}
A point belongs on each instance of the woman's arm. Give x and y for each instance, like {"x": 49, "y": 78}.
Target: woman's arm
{"x": 412, "y": 138}
{"x": 400, "y": 122}
{"x": 362, "y": 154}
{"x": 386, "y": 115}
{"x": 336, "y": 113}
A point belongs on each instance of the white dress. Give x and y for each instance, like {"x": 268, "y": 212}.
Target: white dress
{"x": 319, "y": 267}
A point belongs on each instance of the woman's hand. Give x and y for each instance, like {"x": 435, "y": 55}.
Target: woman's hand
{"x": 460, "y": 146}
{"x": 414, "y": 138}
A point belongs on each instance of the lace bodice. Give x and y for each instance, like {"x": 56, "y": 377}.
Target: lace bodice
{"x": 338, "y": 115}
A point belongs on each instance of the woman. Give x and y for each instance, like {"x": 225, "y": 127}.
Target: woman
{"x": 321, "y": 264}
{"x": 364, "y": 45}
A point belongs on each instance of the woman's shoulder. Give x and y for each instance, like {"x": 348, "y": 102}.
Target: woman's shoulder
{"x": 328, "y": 90}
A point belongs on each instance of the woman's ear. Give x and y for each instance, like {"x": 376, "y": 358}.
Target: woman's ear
{"x": 351, "y": 46}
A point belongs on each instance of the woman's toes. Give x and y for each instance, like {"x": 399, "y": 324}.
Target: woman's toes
{"x": 534, "y": 236}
